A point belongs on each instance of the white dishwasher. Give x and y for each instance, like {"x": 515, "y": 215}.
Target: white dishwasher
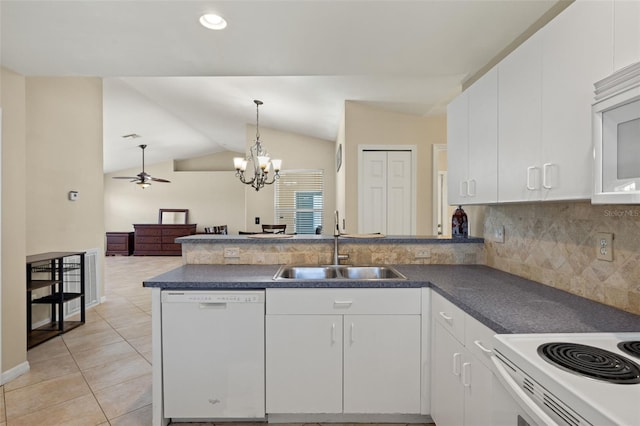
{"x": 213, "y": 354}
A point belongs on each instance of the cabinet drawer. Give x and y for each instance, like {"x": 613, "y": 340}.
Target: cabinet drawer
{"x": 352, "y": 301}
{"x": 148, "y": 247}
{"x": 449, "y": 315}
{"x": 148, "y": 240}
{"x": 148, "y": 232}
{"x": 478, "y": 339}
{"x": 117, "y": 247}
{"x": 176, "y": 232}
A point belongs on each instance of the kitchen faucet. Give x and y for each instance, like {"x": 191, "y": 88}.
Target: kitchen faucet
{"x": 336, "y": 234}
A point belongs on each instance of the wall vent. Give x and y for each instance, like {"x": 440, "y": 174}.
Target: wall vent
{"x": 91, "y": 283}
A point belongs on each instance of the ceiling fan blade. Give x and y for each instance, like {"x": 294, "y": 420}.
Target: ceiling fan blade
{"x": 160, "y": 180}
{"x": 126, "y": 177}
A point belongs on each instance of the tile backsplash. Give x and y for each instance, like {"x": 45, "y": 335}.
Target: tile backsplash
{"x": 555, "y": 244}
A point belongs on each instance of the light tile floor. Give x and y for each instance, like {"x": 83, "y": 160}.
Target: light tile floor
{"x": 99, "y": 373}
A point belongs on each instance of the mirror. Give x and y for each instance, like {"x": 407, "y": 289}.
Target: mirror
{"x": 173, "y": 216}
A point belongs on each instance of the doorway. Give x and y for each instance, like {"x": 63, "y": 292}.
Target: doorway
{"x": 441, "y": 210}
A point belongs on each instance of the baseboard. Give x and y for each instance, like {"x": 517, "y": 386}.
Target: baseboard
{"x": 348, "y": 418}
{"x": 14, "y": 372}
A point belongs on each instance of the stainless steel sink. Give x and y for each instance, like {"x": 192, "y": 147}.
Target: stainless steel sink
{"x": 306, "y": 272}
{"x": 337, "y": 272}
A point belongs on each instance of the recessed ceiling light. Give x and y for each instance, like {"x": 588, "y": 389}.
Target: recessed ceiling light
{"x": 213, "y": 21}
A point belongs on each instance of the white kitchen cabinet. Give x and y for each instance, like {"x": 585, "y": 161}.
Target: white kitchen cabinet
{"x": 577, "y": 50}
{"x": 544, "y": 108}
{"x": 304, "y": 363}
{"x": 520, "y": 122}
{"x": 472, "y": 128}
{"x": 461, "y": 374}
{"x": 343, "y": 351}
{"x": 381, "y": 364}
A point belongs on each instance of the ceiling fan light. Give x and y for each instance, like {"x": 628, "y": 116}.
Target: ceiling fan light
{"x": 143, "y": 185}
{"x": 213, "y": 21}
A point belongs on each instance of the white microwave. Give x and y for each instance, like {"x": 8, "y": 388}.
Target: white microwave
{"x": 616, "y": 138}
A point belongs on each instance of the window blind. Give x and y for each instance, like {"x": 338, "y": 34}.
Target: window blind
{"x": 299, "y": 200}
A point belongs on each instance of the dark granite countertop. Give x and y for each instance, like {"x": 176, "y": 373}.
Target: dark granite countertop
{"x": 322, "y": 239}
{"x": 503, "y": 302}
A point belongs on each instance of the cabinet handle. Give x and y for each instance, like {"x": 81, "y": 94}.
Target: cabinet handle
{"x": 469, "y": 186}
{"x": 333, "y": 333}
{"x": 213, "y": 305}
{"x": 479, "y": 344}
{"x": 342, "y": 303}
{"x": 529, "y": 186}
{"x": 455, "y": 368}
{"x": 446, "y": 317}
{"x": 463, "y": 192}
{"x": 352, "y": 333}
{"x": 545, "y": 167}
{"x": 466, "y": 374}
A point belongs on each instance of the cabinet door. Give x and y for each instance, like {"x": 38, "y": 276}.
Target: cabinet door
{"x": 382, "y": 364}
{"x": 447, "y": 392}
{"x": 457, "y": 148}
{"x": 577, "y": 50}
{"x": 303, "y": 363}
{"x": 477, "y": 382}
{"x": 483, "y": 140}
{"x": 519, "y": 123}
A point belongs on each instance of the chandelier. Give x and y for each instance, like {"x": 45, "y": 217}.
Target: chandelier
{"x": 259, "y": 160}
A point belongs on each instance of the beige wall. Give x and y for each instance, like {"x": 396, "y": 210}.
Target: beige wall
{"x": 213, "y": 198}
{"x": 13, "y": 309}
{"x": 366, "y": 125}
{"x": 64, "y": 153}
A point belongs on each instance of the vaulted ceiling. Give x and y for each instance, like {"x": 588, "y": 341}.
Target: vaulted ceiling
{"x": 189, "y": 91}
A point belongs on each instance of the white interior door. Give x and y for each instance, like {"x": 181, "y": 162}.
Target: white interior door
{"x": 387, "y": 192}
{"x": 374, "y": 207}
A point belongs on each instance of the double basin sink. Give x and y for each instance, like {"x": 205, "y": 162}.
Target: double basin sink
{"x": 338, "y": 272}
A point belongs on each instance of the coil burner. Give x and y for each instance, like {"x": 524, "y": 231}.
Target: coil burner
{"x": 591, "y": 362}
{"x": 631, "y": 347}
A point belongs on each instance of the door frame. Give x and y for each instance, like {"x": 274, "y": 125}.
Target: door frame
{"x": 414, "y": 153}
{"x": 436, "y": 149}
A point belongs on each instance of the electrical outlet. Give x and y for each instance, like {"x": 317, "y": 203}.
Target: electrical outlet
{"x": 604, "y": 246}
{"x": 232, "y": 252}
{"x": 498, "y": 234}
{"x": 423, "y": 253}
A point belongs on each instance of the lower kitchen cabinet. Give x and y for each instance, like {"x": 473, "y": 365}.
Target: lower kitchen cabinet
{"x": 304, "y": 363}
{"x": 343, "y": 351}
{"x": 461, "y": 375}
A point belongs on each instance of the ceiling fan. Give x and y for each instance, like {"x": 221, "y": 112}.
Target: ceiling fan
{"x": 143, "y": 179}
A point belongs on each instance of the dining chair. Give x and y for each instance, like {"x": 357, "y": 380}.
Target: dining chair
{"x": 220, "y": 230}
{"x": 274, "y": 229}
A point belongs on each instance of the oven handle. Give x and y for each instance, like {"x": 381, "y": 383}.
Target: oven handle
{"x": 521, "y": 398}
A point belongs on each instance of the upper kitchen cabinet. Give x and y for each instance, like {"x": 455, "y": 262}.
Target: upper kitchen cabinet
{"x": 544, "y": 108}
{"x": 519, "y": 122}
{"x": 577, "y": 50}
{"x": 472, "y": 128}
{"x": 626, "y": 34}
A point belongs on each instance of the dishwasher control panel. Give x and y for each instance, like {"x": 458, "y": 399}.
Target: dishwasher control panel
{"x": 213, "y": 297}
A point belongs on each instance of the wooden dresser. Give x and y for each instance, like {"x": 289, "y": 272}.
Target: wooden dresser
{"x": 159, "y": 239}
{"x": 119, "y": 243}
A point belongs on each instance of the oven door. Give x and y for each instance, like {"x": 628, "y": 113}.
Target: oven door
{"x": 511, "y": 405}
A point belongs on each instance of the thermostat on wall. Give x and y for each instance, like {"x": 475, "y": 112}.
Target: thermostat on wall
{"x": 73, "y": 195}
